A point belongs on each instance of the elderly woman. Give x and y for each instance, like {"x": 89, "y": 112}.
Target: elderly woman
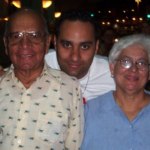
{"x": 120, "y": 120}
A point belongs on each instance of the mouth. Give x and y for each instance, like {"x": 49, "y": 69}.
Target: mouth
{"x": 131, "y": 78}
{"x": 74, "y": 66}
{"x": 25, "y": 55}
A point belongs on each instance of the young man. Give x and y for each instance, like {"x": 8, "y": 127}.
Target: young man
{"x": 76, "y": 43}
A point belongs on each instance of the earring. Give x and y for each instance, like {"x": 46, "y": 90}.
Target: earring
{"x": 112, "y": 75}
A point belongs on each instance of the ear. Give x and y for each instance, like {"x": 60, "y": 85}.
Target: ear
{"x": 55, "y": 42}
{"x": 48, "y": 40}
{"x": 111, "y": 66}
{"x": 97, "y": 46}
{"x": 5, "y": 44}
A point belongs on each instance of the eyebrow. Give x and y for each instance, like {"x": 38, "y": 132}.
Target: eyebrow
{"x": 87, "y": 42}
{"x": 65, "y": 41}
{"x": 81, "y": 43}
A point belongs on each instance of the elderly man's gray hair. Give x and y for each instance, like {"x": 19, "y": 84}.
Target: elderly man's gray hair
{"x": 25, "y": 10}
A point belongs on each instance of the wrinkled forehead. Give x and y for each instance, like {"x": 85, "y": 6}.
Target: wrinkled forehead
{"x": 135, "y": 51}
{"x": 26, "y": 21}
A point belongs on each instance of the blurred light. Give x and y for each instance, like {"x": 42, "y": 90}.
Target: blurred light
{"x": 148, "y": 15}
{"x": 99, "y": 11}
{"x": 134, "y": 18}
{"x": 92, "y": 15}
{"x": 137, "y": 0}
{"x": 132, "y": 27}
{"x": 117, "y": 20}
{"x": 46, "y": 3}
{"x": 124, "y": 11}
{"x": 132, "y": 10}
{"x": 115, "y": 26}
{"x": 123, "y": 20}
{"x": 6, "y": 19}
{"x": 6, "y": 1}
{"x": 17, "y": 3}
{"x": 57, "y": 14}
{"x": 108, "y": 23}
{"x": 127, "y": 17}
{"x": 103, "y": 22}
{"x": 140, "y": 19}
{"x": 109, "y": 11}
{"x": 116, "y": 40}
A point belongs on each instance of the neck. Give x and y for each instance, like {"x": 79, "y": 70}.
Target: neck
{"x": 130, "y": 97}
{"x": 131, "y": 103}
{"x": 27, "y": 77}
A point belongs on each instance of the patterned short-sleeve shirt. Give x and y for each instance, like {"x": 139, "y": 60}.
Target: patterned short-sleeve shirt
{"x": 46, "y": 116}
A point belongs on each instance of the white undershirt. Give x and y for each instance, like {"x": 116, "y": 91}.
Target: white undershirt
{"x": 100, "y": 80}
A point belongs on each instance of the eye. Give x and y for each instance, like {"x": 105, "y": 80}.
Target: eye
{"x": 142, "y": 63}
{"x": 85, "y": 47}
{"x": 67, "y": 45}
{"x": 15, "y": 36}
{"x": 125, "y": 61}
{"x": 34, "y": 35}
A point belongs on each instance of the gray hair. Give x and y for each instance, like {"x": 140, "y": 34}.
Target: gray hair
{"x": 125, "y": 42}
{"x": 26, "y": 10}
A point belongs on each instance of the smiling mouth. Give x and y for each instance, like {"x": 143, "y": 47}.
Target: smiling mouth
{"x": 25, "y": 55}
{"x": 131, "y": 78}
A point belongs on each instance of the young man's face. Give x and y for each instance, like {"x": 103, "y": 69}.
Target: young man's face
{"x": 76, "y": 47}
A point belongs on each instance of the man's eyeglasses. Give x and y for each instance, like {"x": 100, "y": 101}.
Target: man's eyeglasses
{"x": 34, "y": 37}
{"x": 141, "y": 65}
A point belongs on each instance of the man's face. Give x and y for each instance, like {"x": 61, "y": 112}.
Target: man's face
{"x": 76, "y": 47}
{"x": 25, "y": 54}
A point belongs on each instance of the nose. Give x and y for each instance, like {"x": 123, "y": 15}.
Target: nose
{"x": 134, "y": 67}
{"x": 25, "y": 42}
{"x": 75, "y": 55}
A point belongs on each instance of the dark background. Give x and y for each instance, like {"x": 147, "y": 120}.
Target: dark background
{"x": 99, "y": 8}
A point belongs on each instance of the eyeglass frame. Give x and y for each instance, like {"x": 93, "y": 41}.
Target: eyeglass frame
{"x": 136, "y": 63}
{"x": 26, "y": 32}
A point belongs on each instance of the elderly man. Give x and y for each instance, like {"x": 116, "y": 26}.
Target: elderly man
{"x": 40, "y": 108}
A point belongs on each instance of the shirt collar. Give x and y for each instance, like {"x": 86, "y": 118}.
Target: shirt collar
{"x": 109, "y": 103}
{"x": 46, "y": 71}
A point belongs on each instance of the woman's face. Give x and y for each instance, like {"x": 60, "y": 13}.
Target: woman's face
{"x": 131, "y": 79}
{"x": 146, "y": 29}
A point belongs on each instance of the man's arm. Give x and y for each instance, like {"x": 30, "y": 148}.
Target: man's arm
{"x": 76, "y": 124}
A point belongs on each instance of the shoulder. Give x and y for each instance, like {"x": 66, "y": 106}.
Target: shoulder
{"x": 100, "y": 65}
{"x": 51, "y": 59}
{"x": 103, "y": 101}
{"x": 50, "y": 54}
{"x": 100, "y": 99}
{"x": 62, "y": 77}
{"x": 101, "y": 59}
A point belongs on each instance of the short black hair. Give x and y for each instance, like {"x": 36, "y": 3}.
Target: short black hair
{"x": 76, "y": 15}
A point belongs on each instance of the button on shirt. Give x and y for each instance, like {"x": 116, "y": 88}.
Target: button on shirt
{"x": 108, "y": 128}
{"x": 46, "y": 116}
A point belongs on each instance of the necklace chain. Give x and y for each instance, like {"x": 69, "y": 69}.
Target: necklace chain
{"x": 86, "y": 82}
